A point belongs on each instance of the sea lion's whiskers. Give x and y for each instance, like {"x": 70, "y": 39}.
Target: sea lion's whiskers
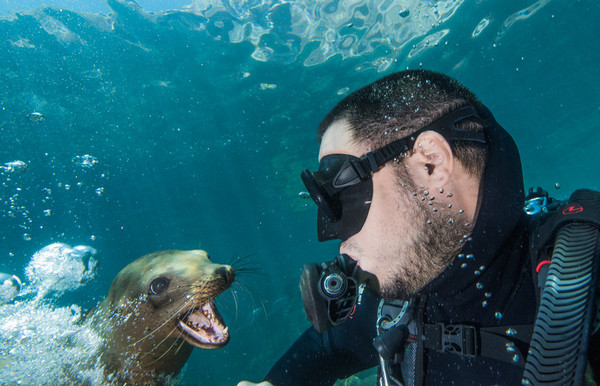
{"x": 161, "y": 342}
{"x": 253, "y": 296}
{"x": 166, "y": 321}
{"x": 235, "y": 302}
{"x": 235, "y": 259}
{"x": 169, "y": 349}
{"x": 182, "y": 343}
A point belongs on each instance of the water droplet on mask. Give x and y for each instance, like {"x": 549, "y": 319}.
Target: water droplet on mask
{"x": 449, "y": 205}
{"x": 477, "y": 273}
{"x": 461, "y": 211}
{"x": 429, "y": 222}
{"x": 432, "y": 198}
{"x": 422, "y": 198}
{"x": 511, "y": 332}
{"x": 487, "y": 295}
{"x": 525, "y": 382}
{"x": 498, "y": 315}
{"x": 470, "y": 256}
{"x": 482, "y": 268}
{"x": 429, "y": 202}
{"x": 463, "y": 265}
{"x": 479, "y": 286}
{"x": 387, "y": 132}
{"x": 414, "y": 194}
{"x": 484, "y": 303}
{"x": 557, "y": 185}
{"x": 461, "y": 256}
{"x": 515, "y": 358}
{"x": 304, "y": 195}
{"x": 449, "y": 195}
{"x": 441, "y": 190}
{"x": 510, "y": 347}
{"x": 435, "y": 209}
{"x": 404, "y": 13}
{"x": 451, "y": 221}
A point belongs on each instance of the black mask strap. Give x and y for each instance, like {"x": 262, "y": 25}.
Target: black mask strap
{"x": 446, "y": 126}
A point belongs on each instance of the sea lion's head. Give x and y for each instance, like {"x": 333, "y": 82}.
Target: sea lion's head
{"x": 159, "y": 302}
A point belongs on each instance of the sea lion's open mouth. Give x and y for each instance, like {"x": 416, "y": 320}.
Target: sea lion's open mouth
{"x": 204, "y": 327}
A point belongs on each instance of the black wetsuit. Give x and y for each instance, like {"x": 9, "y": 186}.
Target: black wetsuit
{"x": 491, "y": 285}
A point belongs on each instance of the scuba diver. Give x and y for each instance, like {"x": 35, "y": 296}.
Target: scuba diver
{"x": 448, "y": 273}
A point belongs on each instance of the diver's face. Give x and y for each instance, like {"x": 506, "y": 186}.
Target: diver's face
{"x": 400, "y": 240}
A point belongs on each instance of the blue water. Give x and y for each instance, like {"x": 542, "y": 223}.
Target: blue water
{"x": 201, "y": 120}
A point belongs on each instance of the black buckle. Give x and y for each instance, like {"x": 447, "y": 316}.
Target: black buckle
{"x": 459, "y": 339}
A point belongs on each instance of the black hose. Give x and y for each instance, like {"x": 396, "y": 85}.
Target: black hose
{"x": 558, "y": 350}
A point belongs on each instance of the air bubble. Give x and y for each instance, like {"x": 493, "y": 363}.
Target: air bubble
{"x": 85, "y": 161}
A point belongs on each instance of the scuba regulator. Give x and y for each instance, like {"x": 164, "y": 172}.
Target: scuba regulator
{"x": 329, "y": 291}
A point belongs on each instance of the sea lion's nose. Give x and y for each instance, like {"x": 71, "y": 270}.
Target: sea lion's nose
{"x": 226, "y": 272}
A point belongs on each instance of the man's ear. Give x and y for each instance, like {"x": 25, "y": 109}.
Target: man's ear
{"x": 432, "y": 162}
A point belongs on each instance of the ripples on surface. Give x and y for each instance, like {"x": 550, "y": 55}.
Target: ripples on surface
{"x": 319, "y": 30}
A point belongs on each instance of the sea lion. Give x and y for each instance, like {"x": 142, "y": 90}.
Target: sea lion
{"x": 158, "y": 308}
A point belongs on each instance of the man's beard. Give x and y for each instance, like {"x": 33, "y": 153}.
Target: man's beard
{"x": 436, "y": 243}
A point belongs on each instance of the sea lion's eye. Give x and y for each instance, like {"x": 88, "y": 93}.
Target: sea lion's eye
{"x": 158, "y": 286}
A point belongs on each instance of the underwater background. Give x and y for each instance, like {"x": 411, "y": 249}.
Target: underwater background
{"x": 178, "y": 125}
